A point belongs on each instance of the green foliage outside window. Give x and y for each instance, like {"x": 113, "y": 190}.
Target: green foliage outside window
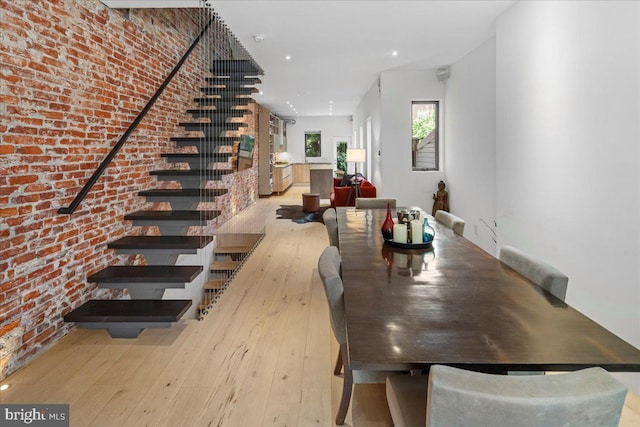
{"x": 312, "y": 146}
{"x": 342, "y": 157}
{"x": 423, "y": 126}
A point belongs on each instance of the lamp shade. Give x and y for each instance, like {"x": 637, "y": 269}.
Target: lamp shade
{"x": 357, "y": 155}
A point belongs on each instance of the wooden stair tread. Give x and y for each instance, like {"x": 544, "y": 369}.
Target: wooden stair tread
{"x": 215, "y": 284}
{"x": 185, "y": 192}
{"x": 101, "y": 311}
{"x": 226, "y": 265}
{"x": 161, "y": 242}
{"x": 232, "y": 249}
{"x": 177, "y": 215}
{"x": 146, "y": 274}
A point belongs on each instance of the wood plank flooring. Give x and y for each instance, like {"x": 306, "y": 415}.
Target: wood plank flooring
{"x": 263, "y": 356}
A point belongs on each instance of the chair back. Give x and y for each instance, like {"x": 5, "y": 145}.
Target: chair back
{"x": 450, "y": 221}
{"x": 329, "y": 269}
{"x": 587, "y": 398}
{"x": 330, "y": 219}
{"x": 542, "y": 274}
{"x": 374, "y": 203}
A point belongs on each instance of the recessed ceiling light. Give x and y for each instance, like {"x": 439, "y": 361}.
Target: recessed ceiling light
{"x": 288, "y": 102}
{"x": 261, "y": 93}
{"x": 394, "y": 53}
{"x": 3, "y": 387}
{"x": 288, "y": 57}
{"x": 258, "y": 38}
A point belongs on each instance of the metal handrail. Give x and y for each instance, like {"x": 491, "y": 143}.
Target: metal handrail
{"x": 99, "y": 171}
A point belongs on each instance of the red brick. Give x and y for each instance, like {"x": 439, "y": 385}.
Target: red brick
{"x": 30, "y": 296}
{"x": 32, "y": 149}
{"x": 5, "y": 212}
{"x": 33, "y": 188}
{"x": 28, "y": 335}
{"x": 25, "y": 209}
{"x": 24, "y": 258}
{"x": 6, "y": 149}
{"x": 22, "y": 179}
{"x": 66, "y": 235}
{"x": 49, "y": 250}
{"x": 9, "y": 99}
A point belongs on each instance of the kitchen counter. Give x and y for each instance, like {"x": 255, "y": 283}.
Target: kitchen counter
{"x": 301, "y": 171}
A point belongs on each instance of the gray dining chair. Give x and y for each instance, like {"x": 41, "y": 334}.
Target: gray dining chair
{"x": 456, "y": 397}
{"x": 329, "y": 267}
{"x": 330, "y": 219}
{"x": 542, "y": 274}
{"x": 450, "y": 221}
{"x": 374, "y": 203}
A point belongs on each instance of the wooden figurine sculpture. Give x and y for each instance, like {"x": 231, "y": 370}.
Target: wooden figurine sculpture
{"x": 440, "y": 199}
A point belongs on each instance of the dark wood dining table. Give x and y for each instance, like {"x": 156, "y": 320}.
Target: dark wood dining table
{"x": 455, "y": 304}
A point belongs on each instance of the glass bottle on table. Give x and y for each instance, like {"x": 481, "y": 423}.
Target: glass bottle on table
{"x": 428, "y": 233}
{"x": 387, "y": 225}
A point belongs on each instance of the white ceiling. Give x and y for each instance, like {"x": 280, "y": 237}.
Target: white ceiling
{"x": 338, "y": 48}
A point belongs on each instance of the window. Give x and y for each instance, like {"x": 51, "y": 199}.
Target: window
{"x": 425, "y": 144}
{"x": 312, "y": 146}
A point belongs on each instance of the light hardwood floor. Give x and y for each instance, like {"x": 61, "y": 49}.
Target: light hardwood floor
{"x": 262, "y": 356}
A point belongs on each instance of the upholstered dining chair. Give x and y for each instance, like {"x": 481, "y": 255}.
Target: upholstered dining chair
{"x": 456, "y": 397}
{"x": 374, "y": 203}
{"x": 450, "y": 221}
{"x": 329, "y": 266}
{"x": 542, "y": 274}
{"x": 330, "y": 220}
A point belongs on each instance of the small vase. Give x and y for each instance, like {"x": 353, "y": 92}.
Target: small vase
{"x": 428, "y": 233}
{"x": 387, "y": 225}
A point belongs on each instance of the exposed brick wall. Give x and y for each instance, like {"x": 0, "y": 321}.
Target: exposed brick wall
{"x": 74, "y": 75}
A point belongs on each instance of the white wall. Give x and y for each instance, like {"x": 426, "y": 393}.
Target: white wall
{"x": 470, "y": 143}
{"x": 329, "y": 126}
{"x": 370, "y": 107}
{"x": 567, "y": 154}
{"x": 398, "y": 89}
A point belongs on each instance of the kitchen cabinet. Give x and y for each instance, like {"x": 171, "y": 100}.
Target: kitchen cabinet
{"x": 282, "y": 178}
{"x": 265, "y": 156}
{"x": 301, "y": 173}
{"x": 278, "y": 134}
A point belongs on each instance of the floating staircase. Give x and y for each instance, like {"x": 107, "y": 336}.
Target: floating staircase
{"x": 226, "y": 99}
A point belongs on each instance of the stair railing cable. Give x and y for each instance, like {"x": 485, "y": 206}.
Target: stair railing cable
{"x": 116, "y": 148}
